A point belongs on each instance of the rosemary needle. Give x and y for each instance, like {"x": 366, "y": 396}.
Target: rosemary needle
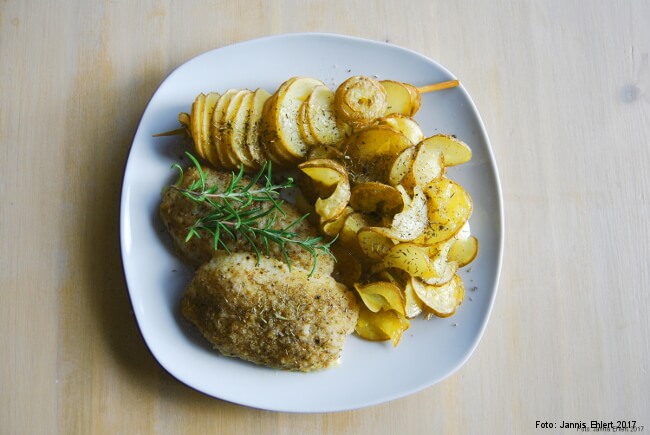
{"x": 247, "y": 210}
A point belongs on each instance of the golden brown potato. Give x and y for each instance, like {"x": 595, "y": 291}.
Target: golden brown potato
{"x": 454, "y": 151}
{"x": 398, "y": 98}
{"x": 332, "y": 184}
{"x": 405, "y": 125}
{"x": 381, "y": 295}
{"x": 426, "y": 166}
{"x": 449, "y": 207}
{"x": 381, "y": 326}
{"x": 360, "y": 100}
{"x": 463, "y": 251}
{"x": 321, "y": 117}
{"x": 371, "y": 152}
{"x": 441, "y": 300}
{"x": 253, "y": 127}
{"x": 282, "y": 139}
{"x": 377, "y": 198}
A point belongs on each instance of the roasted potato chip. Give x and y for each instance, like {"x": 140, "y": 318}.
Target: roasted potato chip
{"x": 405, "y": 125}
{"x": 328, "y": 174}
{"x": 321, "y": 118}
{"x": 381, "y": 326}
{"x": 333, "y": 226}
{"x": 444, "y": 268}
{"x": 430, "y": 265}
{"x": 371, "y": 152}
{"x": 237, "y": 133}
{"x": 411, "y": 258}
{"x": 398, "y": 98}
{"x": 381, "y": 295}
{"x": 463, "y": 251}
{"x": 411, "y": 222}
{"x": 427, "y": 166}
{"x": 218, "y": 152}
{"x": 283, "y": 135}
{"x": 253, "y": 127}
{"x": 196, "y": 125}
{"x": 360, "y": 100}
{"x": 416, "y": 98}
{"x": 303, "y": 125}
{"x": 374, "y": 197}
{"x": 401, "y": 166}
{"x": 440, "y": 300}
{"x": 449, "y": 207}
{"x": 373, "y": 243}
{"x": 454, "y": 151}
{"x": 348, "y": 234}
{"x": 412, "y": 303}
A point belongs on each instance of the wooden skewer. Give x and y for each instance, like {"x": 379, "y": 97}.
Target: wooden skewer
{"x": 171, "y": 132}
{"x": 438, "y": 86}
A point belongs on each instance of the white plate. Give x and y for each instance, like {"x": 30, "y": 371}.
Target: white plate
{"x": 370, "y": 372}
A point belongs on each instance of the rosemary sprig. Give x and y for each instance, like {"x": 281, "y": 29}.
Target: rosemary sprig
{"x": 246, "y": 210}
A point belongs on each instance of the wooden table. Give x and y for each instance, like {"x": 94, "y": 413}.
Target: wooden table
{"x": 564, "y": 91}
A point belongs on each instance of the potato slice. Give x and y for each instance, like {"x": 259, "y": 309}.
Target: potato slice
{"x": 411, "y": 258}
{"x": 381, "y": 326}
{"x": 398, "y": 98}
{"x": 268, "y": 139}
{"x": 227, "y": 126}
{"x": 373, "y": 243}
{"x": 210, "y": 104}
{"x": 218, "y": 153}
{"x": 381, "y": 295}
{"x": 371, "y": 152}
{"x": 405, "y": 125}
{"x": 324, "y": 172}
{"x": 454, "y": 151}
{"x": 360, "y": 100}
{"x": 269, "y": 142}
{"x": 420, "y": 262}
{"x": 413, "y": 306}
{"x": 411, "y": 222}
{"x": 445, "y": 269}
{"x": 427, "y": 166}
{"x": 416, "y": 98}
{"x": 351, "y": 226}
{"x": 440, "y": 300}
{"x": 321, "y": 117}
{"x": 374, "y": 197}
{"x": 283, "y": 114}
{"x": 327, "y": 174}
{"x": 303, "y": 125}
{"x": 333, "y": 226}
{"x": 330, "y": 207}
{"x": 401, "y": 166}
{"x": 449, "y": 207}
{"x": 196, "y": 124}
{"x": 253, "y": 127}
{"x": 237, "y": 134}
{"x": 463, "y": 251}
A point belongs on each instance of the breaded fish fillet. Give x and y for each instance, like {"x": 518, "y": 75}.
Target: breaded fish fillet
{"x": 178, "y": 213}
{"x": 262, "y": 312}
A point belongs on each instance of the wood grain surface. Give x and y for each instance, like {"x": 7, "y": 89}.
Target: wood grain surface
{"x": 564, "y": 91}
